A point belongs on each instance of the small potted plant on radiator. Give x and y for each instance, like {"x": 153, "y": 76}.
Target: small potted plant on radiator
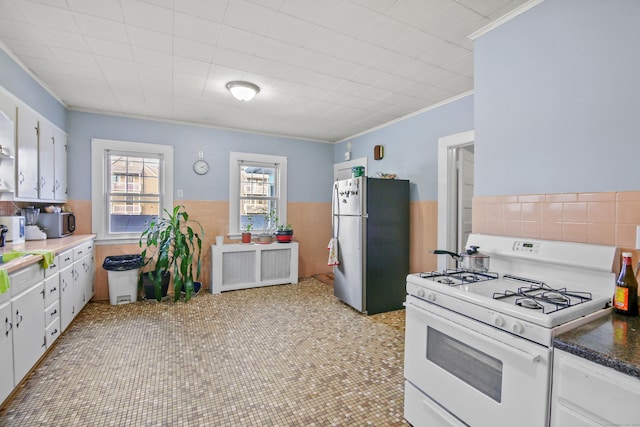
{"x": 270, "y": 221}
{"x": 246, "y": 230}
{"x": 284, "y": 233}
{"x": 171, "y": 247}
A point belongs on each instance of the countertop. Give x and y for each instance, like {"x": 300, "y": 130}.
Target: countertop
{"x": 612, "y": 341}
{"x": 56, "y": 245}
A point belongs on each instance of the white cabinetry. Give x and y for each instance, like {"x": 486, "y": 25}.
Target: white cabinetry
{"x": 46, "y": 161}
{"x": 585, "y": 393}
{"x": 6, "y": 350}
{"x": 27, "y": 154}
{"x": 65, "y": 276}
{"x": 27, "y": 308}
{"x": 60, "y": 166}
{"x": 7, "y": 173}
{"x": 238, "y": 266}
{"x": 39, "y": 306}
{"x": 52, "y": 303}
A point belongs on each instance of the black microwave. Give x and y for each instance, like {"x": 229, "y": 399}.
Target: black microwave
{"x": 57, "y": 224}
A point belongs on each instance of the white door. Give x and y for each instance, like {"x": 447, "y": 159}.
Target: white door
{"x": 465, "y": 195}
{"x": 342, "y": 170}
{"x": 45, "y": 167}
{"x": 28, "y": 330}
{"x": 6, "y": 351}
{"x": 60, "y": 165}
{"x": 448, "y": 193}
{"x": 27, "y": 154}
{"x": 67, "y": 301}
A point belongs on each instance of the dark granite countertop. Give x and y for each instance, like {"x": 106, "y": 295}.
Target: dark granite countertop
{"x": 612, "y": 341}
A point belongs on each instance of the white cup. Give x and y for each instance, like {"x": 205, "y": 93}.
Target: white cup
{"x": 219, "y": 240}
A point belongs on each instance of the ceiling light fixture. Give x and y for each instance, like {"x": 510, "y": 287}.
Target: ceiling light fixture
{"x": 243, "y": 91}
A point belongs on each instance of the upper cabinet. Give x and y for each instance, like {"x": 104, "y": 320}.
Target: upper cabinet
{"x": 27, "y": 154}
{"x": 46, "y": 161}
{"x": 7, "y": 151}
{"x": 60, "y": 166}
{"x": 41, "y": 159}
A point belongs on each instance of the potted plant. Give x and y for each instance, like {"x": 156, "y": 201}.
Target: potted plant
{"x": 171, "y": 247}
{"x": 246, "y": 230}
{"x": 284, "y": 233}
{"x": 270, "y": 221}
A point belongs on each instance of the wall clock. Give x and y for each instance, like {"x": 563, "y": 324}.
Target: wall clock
{"x": 200, "y": 167}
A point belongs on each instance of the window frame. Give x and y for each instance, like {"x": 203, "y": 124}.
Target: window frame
{"x": 235, "y": 159}
{"x": 100, "y": 150}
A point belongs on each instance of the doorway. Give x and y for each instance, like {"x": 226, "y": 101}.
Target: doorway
{"x": 455, "y": 193}
{"x": 342, "y": 170}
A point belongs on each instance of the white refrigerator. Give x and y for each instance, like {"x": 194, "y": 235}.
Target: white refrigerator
{"x": 371, "y": 227}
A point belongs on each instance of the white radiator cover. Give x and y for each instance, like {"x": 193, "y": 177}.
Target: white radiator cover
{"x": 241, "y": 266}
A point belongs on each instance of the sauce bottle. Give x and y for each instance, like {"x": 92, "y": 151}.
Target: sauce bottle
{"x": 625, "y": 299}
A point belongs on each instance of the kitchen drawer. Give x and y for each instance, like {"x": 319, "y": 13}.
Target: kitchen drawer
{"x": 53, "y": 268}
{"x": 52, "y": 332}
{"x": 24, "y": 278}
{"x": 51, "y": 290}
{"x": 65, "y": 259}
{"x": 52, "y": 313}
{"x": 82, "y": 250}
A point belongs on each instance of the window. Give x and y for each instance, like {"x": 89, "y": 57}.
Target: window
{"x": 257, "y": 186}
{"x": 132, "y": 184}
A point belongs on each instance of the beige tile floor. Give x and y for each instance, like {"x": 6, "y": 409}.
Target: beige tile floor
{"x": 288, "y": 355}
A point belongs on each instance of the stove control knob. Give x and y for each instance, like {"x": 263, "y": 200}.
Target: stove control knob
{"x": 431, "y": 296}
{"x": 498, "y": 320}
{"x": 420, "y": 293}
{"x": 517, "y": 328}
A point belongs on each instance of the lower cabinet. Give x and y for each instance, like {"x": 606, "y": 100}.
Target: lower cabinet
{"x": 587, "y": 394}
{"x": 39, "y": 306}
{"x": 6, "y": 351}
{"x": 65, "y": 278}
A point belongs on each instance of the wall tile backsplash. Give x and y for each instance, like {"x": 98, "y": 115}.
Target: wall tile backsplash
{"x": 600, "y": 218}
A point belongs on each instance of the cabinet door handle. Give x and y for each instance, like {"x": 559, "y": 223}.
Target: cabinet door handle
{"x": 19, "y": 317}
{"x": 20, "y": 177}
{"x": 7, "y": 326}
{"x": 42, "y": 182}
{"x": 54, "y": 312}
{"x": 55, "y": 331}
{"x": 54, "y": 289}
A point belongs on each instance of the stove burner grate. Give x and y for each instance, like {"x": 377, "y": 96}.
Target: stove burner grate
{"x": 537, "y": 294}
{"x": 458, "y": 277}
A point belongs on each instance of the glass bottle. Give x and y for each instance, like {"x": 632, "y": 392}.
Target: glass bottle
{"x": 625, "y": 300}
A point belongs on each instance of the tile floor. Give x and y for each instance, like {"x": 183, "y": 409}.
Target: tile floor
{"x": 288, "y": 355}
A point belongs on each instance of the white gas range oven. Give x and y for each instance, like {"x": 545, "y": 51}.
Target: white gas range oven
{"x": 478, "y": 345}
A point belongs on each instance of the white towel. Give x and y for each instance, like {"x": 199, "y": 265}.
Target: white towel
{"x": 333, "y": 251}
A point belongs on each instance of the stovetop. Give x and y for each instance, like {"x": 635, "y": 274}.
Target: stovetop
{"x": 538, "y": 302}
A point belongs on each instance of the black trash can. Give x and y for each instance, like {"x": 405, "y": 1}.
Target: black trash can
{"x": 123, "y": 272}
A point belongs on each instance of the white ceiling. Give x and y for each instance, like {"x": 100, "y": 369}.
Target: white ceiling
{"x": 327, "y": 69}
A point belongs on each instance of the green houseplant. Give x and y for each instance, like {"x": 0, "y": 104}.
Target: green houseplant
{"x": 270, "y": 221}
{"x": 246, "y": 230}
{"x": 284, "y": 233}
{"x": 170, "y": 247}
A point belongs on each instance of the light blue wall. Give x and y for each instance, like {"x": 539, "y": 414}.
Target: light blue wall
{"x": 310, "y": 164}
{"x": 557, "y": 100}
{"x": 411, "y": 146}
{"x": 20, "y": 84}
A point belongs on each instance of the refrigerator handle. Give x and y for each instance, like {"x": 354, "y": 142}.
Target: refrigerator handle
{"x": 335, "y": 211}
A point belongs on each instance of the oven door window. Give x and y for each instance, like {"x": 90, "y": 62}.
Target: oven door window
{"x": 475, "y": 368}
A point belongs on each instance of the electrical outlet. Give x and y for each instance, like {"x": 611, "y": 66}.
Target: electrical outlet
{"x": 180, "y": 193}
{"x": 201, "y": 154}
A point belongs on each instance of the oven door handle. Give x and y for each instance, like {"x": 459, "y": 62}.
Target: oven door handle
{"x": 533, "y": 358}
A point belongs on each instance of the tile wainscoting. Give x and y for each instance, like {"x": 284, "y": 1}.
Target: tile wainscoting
{"x": 311, "y": 221}
{"x": 600, "y": 218}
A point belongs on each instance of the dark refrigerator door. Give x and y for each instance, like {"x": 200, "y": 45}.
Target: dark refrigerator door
{"x": 387, "y": 250}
